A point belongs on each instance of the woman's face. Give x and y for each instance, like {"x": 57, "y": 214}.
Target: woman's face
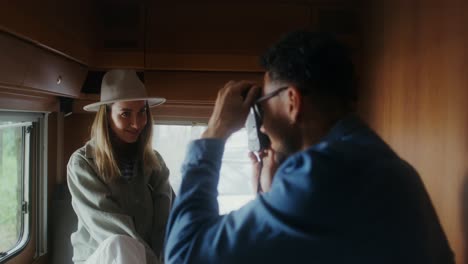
{"x": 128, "y": 119}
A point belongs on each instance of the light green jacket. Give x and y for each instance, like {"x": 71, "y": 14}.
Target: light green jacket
{"x": 138, "y": 208}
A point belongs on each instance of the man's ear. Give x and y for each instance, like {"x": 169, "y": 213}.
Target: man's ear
{"x": 295, "y": 104}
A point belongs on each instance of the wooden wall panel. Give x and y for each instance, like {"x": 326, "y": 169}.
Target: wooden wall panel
{"x": 415, "y": 89}
{"x": 194, "y": 112}
{"x": 190, "y": 95}
{"x": 192, "y": 86}
{"x": 77, "y": 128}
{"x": 55, "y": 74}
{"x": 26, "y": 67}
{"x": 14, "y": 57}
{"x": 56, "y": 162}
{"x": 203, "y": 62}
{"x": 26, "y": 101}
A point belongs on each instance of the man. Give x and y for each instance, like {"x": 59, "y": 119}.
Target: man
{"x": 340, "y": 196}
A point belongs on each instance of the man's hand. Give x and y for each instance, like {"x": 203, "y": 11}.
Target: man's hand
{"x": 231, "y": 109}
{"x": 268, "y": 169}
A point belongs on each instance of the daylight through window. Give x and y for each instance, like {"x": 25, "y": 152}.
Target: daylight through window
{"x": 235, "y": 188}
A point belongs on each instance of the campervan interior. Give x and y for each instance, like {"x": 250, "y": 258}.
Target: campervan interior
{"x": 411, "y": 58}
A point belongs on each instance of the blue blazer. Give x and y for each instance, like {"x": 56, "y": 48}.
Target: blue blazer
{"x": 347, "y": 199}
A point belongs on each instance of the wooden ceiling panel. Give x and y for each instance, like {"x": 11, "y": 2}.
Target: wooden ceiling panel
{"x": 204, "y": 35}
{"x": 233, "y": 28}
{"x": 119, "y": 25}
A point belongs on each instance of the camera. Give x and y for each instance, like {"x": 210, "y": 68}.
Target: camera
{"x": 257, "y": 140}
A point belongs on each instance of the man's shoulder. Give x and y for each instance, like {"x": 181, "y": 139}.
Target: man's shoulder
{"x": 352, "y": 139}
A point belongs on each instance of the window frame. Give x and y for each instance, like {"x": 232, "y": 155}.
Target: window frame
{"x": 33, "y": 181}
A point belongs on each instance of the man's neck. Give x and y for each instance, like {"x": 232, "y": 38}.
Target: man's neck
{"x": 314, "y": 130}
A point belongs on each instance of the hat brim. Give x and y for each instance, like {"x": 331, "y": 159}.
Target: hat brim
{"x": 152, "y": 102}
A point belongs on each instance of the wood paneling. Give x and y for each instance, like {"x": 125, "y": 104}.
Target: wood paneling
{"x": 195, "y": 112}
{"x": 214, "y": 36}
{"x": 203, "y": 62}
{"x": 163, "y": 35}
{"x": 52, "y": 73}
{"x": 217, "y": 36}
{"x": 221, "y": 28}
{"x": 14, "y": 57}
{"x": 17, "y": 99}
{"x": 28, "y": 67}
{"x": 77, "y": 128}
{"x": 62, "y": 26}
{"x": 56, "y": 163}
{"x": 192, "y": 86}
{"x": 415, "y": 93}
{"x": 118, "y": 60}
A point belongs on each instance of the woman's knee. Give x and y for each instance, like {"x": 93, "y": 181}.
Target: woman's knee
{"x": 118, "y": 242}
{"x": 119, "y": 249}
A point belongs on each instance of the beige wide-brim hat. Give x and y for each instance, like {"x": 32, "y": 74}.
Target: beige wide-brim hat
{"x": 122, "y": 85}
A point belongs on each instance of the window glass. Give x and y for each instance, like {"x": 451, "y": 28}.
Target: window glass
{"x": 234, "y": 187}
{"x": 12, "y": 156}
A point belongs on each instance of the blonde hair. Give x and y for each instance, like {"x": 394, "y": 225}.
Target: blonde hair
{"x": 105, "y": 157}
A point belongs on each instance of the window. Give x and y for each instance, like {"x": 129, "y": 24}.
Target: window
{"x": 14, "y": 165}
{"x": 21, "y": 156}
{"x": 234, "y": 188}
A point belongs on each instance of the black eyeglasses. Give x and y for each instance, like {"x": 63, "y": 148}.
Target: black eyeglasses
{"x": 270, "y": 95}
{"x": 258, "y": 110}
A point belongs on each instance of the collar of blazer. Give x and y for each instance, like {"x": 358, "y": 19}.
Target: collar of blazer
{"x": 89, "y": 149}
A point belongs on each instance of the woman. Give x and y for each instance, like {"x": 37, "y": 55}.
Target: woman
{"x": 119, "y": 184}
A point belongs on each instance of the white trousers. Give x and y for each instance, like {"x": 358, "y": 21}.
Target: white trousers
{"x": 118, "y": 249}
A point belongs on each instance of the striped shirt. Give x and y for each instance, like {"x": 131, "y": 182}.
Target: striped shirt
{"x": 126, "y": 169}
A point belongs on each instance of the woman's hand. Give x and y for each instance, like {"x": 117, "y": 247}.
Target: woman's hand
{"x": 265, "y": 169}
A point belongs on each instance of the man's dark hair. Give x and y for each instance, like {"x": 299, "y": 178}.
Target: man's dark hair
{"x": 317, "y": 64}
